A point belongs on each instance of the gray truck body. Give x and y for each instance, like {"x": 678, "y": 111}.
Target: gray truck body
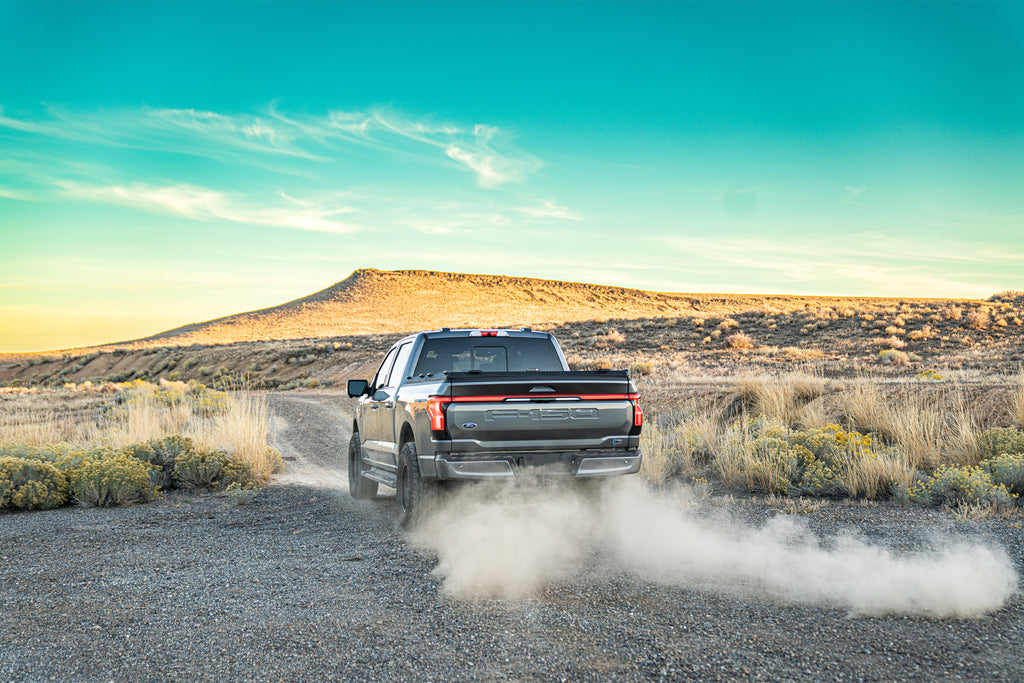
{"x": 509, "y": 406}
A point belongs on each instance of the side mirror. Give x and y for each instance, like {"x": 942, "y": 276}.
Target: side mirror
{"x": 357, "y": 388}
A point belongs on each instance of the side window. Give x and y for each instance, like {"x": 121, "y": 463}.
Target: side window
{"x": 385, "y": 369}
{"x": 400, "y": 365}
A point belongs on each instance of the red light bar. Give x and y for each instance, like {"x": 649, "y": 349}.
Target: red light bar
{"x": 543, "y": 397}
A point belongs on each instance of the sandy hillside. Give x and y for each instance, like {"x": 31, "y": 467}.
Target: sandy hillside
{"x": 376, "y": 302}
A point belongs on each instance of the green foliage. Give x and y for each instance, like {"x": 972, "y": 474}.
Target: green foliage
{"x": 31, "y": 484}
{"x": 242, "y": 494}
{"x": 959, "y": 486}
{"x": 162, "y": 454}
{"x": 1000, "y": 440}
{"x": 817, "y": 462}
{"x": 209, "y": 469}
{"x": 106, "y": 478}
{"x": 776, "y": 464}
{"x": 54, "y": 454}
{"x": 208, "y": 402}
{"x": 1007, "y": 469}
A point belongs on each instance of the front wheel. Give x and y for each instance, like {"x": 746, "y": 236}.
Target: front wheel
{"x": 415, "y": 495}
{"x": 359, "y": 487}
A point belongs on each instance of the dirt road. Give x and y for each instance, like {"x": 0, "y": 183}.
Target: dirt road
{"x": 307, "y": 584}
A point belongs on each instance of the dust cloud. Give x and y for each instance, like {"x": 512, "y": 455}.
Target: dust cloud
{"x": 509, "y": 541}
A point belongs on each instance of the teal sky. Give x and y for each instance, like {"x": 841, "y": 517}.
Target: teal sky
{"x": 165, "y": 163}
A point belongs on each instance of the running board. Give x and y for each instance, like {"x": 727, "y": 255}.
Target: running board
{"x": 382, "y": 477}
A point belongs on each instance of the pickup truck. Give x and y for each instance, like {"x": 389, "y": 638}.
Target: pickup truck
{"x": 454, "y": 405}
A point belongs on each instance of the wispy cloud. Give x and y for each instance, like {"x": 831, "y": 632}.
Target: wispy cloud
{"x": 209, "y": 205}
{"x": 852, "y": 193}
{"x": 484, "y": 150}
{"x": 865, "y": 264}
{"x": 551, "y": 209}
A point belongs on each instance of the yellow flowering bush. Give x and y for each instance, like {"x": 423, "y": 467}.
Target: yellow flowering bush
{"x": 106, "y": 478}
{"x": 1007, "y": 469}
{"x": 959, "y": 486}
{"x": 1000, "y": 440}
{"x": 31, "y": 484}
{"x": 829, "y": 462}
{"x": 205, "y": 469}
{"x": 162, "y": 454}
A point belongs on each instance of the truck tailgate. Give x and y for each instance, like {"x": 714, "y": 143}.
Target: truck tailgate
{"x": 540, "y": 411}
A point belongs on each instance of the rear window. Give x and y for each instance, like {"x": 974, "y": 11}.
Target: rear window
{"x": 487, "y": 354}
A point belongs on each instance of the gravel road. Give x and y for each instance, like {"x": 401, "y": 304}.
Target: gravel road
{"x": 307, "y": 584}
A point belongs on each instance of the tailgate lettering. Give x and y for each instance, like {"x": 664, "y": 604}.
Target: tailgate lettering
{"x": 540, "y": 414}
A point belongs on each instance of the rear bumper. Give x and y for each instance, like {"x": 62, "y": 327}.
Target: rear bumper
{"x": 518, "y": 465}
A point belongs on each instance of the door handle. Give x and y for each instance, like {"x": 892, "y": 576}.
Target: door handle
{"x": 373, "y": 406}
{"x": 389, "y": 405}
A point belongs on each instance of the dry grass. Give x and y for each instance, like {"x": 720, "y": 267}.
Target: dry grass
{"x": 655, "y": 466}
{"x": 237, "y": 423}
{"x": 33, "y": 417}
{"x": 871, "y": 477}
{"x": 241, "y": 430}
{"x": 1017, "y": 400}
{"x": 915, "y": 425}
{"x": 783, "y": 398}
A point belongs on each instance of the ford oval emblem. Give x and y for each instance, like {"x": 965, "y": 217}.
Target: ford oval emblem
{"x": 469, "y": 425}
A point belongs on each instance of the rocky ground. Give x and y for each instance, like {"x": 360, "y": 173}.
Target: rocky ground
{"x": 306, "y": 584}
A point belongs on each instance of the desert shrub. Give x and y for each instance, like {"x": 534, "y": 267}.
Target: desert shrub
{"x": 829, "y": 462}
{"x": 893, "y": 357}
{"x": 162, "y": 455}
{"x": 1007, "y": 469}
{"x": 955, "y": 486}
{"x": 641, "y": 368}
{"x": 1009, "y": 296}
{"x": 31, "y": 484}
{"x": 209, "y": 469}
{"x": 802, "y": 353}
{"x": 1001, "y": 440}
{"x": 739, "y": 340}
{"x": 776, "y": 464}
{"x": 610, "y": 338}
{"x": 208, "y": 402}
{"x": 108, "y": 478}
{"x": 978, "y": 319}
{"x": 242, "y": 494}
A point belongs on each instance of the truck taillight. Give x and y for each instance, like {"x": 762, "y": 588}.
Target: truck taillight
{"x": 638, "y": 414}
{"x": 435, "y": 409}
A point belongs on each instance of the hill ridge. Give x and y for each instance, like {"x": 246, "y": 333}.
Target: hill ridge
{"x": 372, "y": 301}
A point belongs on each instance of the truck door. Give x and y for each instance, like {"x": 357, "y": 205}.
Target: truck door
{"x": 372, "y": 422}
{"x": 382, "y": 407}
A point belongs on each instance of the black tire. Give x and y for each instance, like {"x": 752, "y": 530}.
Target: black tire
{"x": 359, "y": 487}
{"x": 415, "y": 495}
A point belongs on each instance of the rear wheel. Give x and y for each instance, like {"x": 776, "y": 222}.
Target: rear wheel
{"x": 415, "y": 495}
{"x": 359, "y": 486}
